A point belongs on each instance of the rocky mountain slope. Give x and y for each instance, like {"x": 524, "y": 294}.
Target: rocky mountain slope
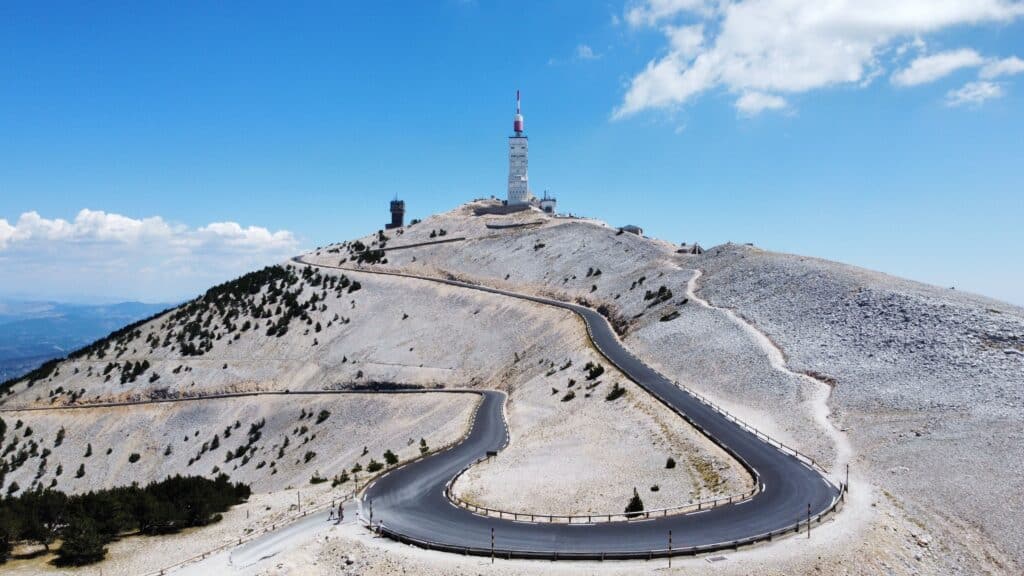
{"x": 916, "y": 387}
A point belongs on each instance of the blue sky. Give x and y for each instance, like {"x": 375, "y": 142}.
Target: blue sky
{"x": 207, "y": 140}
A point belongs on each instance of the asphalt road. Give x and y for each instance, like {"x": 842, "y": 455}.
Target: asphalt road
{"x": 411, "y": 502}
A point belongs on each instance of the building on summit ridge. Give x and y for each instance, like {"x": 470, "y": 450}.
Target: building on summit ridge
{"x": 397, "y": 214}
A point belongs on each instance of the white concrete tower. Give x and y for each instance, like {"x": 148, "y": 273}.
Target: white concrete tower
{"x": 518, "y": 150}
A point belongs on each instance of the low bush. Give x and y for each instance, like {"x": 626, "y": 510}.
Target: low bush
{"x": 616, "y": 393}
{"x": 323, "y": 415}
{"x": 593, "y": 370}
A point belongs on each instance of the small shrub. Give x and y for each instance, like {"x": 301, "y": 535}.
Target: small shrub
{"x": 593, "y": 370}
{"x": 374, "y": 466}
{"x": 340, "y": 479}
{"x": 635, "y": 505}
{"x": 309, "y": 456}
{"x": 133, "y": 457}
{"x": 616, "y": 393}
{"x": 569, "y": 396}
{"x": 670, "y": 463}
{"x": 323, "y": 415}
{"x": 390, "y": 458}
{"x": 81, "y": 471}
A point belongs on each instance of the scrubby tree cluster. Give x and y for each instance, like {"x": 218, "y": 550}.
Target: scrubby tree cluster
{"x": 593, "y": 370}
{"x": 87, "y": 522}
{"x": 663, "y": 294}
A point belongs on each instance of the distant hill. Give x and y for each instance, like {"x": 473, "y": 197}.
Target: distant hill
{"x": 32, "y": 332}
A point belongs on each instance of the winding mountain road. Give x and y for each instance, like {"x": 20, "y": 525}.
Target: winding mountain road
{"x": 410, "y": 503}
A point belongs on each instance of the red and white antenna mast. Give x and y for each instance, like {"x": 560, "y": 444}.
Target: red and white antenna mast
{"x": 517, "y": 125}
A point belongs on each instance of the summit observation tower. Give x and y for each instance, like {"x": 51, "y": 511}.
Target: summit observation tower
{"x": 518, "y": 161}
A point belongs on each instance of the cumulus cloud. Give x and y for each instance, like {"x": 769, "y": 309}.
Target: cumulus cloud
{"x": 973, "y": 94}
{"x": 1005, "y": 67}
{"x": 784, "y": 47}
{"x": 934, "y": 66}
{"x": 753, "y": 103}
{"x": 109, "y": 254}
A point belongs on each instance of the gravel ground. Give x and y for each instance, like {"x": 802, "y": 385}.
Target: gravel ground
{"x": 927, "y": 381}
{"x": 374, "y": 422}
{"x": 586, "y": 455}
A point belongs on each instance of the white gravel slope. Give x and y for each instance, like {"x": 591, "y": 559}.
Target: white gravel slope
{"x": 928, "y": 381}
{"x": 928, "y": 386}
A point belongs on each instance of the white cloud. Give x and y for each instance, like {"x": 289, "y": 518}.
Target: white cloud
{"x": 973, "y": 94}
{"x": 753, "y": 103}
{"x": 930, "y": 68}
{"x": 585, "y": 52}
{"x": 686, "y": 41}
{"x": 100, "y": 253}
{"x": 6, "y": 233}
{"x": 787, "y": 46}
{"x": 1005, "y": 67}
{"x": 251, "y": 238}
{"x": 653, "y": 11}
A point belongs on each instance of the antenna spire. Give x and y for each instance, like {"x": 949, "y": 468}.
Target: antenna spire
{"x": 517, "y": 124}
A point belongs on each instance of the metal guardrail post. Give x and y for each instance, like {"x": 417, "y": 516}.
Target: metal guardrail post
{"x": 669, "y": 548}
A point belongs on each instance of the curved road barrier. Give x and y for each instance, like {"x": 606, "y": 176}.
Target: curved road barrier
{"x": 411, "y": 504}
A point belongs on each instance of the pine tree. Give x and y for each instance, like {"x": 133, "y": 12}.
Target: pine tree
{"x": 83, "y": 543}
{"x": 635, "y": 506}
